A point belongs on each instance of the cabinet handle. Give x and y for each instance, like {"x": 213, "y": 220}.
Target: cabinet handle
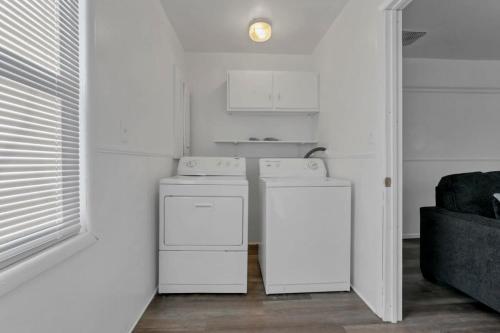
{"x": 279, "y": 96}
{"x": 204, "y": 205}
{"x": 270, "y": 97}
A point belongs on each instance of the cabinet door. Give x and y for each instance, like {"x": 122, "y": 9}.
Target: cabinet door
{"x": 296, "y": 91}
{"x": 250, "y": 90}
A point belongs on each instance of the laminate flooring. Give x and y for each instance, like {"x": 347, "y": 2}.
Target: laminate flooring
{"x": 428, "y": 307}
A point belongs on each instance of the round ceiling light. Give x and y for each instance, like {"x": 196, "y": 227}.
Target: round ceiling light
{"x": 260, "y": 30}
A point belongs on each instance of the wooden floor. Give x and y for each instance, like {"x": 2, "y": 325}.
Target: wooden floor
{"x": 427, "y": 308}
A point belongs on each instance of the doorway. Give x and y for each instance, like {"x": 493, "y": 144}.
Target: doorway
{"x": 442, "y": 98}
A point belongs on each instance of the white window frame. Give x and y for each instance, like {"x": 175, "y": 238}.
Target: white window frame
{"x": 31, "y": 267}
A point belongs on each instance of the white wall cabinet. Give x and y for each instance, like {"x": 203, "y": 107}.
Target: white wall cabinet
{"x": 274, "y": 92}
{"x": 250, "y": 90}
{"x": 296, "y": 91}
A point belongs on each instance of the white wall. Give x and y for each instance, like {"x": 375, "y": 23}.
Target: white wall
{"x": 450, "y": 118}
{"x": 106, "y": 287}
{"x": 210, "y": 121}
{"x": 350, "y": 59}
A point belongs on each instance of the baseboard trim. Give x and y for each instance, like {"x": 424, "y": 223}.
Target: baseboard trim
{"x": 411, "y": 236}
{"x": 155, "y": 292}
{"x": 370, "y": 306}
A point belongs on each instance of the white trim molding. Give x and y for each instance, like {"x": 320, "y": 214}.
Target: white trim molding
{"x": 395, "y": 5}
{"x": 26, "y": 270}
{"x": 392, "y": 294}
{"x": 360, "y": 295}
{"x": 136, "y": 321}
{"x": 360, "y": 156}
{"x": 451, "y": 159}
{"x": 452, "y": 90}
{"x": 130, "y": 152}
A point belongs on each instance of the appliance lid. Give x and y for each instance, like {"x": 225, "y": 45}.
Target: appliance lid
{"x": 305, "y": 182}
{"x": 292, "y": 168}
{"x": 212, "y": 166}
{"x": 205, "y": 180}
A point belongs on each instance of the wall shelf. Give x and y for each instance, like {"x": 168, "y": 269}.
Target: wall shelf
{"x": 284, "y": 142}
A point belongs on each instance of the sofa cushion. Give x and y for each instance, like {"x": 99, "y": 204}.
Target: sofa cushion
{"x": 496, "y": 205}
{"x": 495, "y": 181}
{"x": 495, "y": 178}
{"x": 468, "y": 193}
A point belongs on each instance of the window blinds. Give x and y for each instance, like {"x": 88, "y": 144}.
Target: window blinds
{"x": 39, "y": 126}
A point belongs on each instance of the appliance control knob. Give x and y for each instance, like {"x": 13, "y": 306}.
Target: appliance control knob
{"x": 191, "y": 164}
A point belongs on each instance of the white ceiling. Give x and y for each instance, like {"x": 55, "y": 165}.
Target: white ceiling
{"x": 456, "y": 29}
{"x": 222, "y": 25}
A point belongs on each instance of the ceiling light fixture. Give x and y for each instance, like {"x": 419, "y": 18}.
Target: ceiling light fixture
{"x": 260, "y": 30}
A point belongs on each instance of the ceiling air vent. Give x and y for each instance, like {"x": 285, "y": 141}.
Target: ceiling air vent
{"x": 410, "y": 37}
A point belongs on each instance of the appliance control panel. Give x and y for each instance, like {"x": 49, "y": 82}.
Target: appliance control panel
{"x": 211, "y": 166}
{"x": 292, "y": 167}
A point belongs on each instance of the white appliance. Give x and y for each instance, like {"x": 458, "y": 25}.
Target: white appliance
{"x": 204, "y": 227}
{"x": 306, "y": 227}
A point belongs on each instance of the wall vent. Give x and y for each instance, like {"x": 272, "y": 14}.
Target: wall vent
{"x": 410, "y": 37}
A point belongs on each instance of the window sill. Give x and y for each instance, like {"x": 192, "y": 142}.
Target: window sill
{"x": 13, "y": 277}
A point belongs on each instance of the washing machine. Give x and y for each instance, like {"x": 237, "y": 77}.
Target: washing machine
{"x": 203, "y": 244}
{"x": 306, "y": 227}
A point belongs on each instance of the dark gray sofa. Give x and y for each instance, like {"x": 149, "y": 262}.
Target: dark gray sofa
{"x": 460, "y": 238}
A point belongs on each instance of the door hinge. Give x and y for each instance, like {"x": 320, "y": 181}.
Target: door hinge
{"x": 388, "y": 182}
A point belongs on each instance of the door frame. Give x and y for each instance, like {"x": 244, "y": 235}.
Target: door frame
{"x": 393, "y": 205}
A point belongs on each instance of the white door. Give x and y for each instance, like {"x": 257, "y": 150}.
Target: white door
{"x": 296, "y": 91}
{"x": 250, "y": 90}
{"x": 308, "y": 235}
{"x": 203, "y": 221}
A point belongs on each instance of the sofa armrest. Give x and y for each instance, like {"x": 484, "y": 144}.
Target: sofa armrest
{"x": 462, "y": 250}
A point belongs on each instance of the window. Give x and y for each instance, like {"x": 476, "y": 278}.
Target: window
{"x": 39, "y": 126}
